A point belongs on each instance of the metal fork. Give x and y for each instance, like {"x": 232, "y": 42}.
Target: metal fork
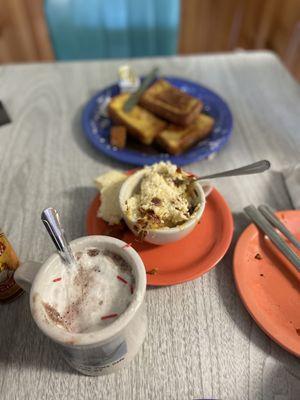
{"x": 259, "y": 220}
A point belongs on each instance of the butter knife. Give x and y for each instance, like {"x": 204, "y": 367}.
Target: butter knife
{"x": 134, "y": 98}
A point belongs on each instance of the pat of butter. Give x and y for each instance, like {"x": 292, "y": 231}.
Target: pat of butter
{"x": 128, "y": 80}
{"x": 109, "y": 185}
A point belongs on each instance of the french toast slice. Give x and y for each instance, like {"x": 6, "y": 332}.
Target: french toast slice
{"x": 175, "y": 139}
{"x": 171, "y": 103}
{"x": 140, "y": 123}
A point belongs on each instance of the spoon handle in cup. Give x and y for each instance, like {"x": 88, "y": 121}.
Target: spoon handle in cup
{"x": 52, "y": 223}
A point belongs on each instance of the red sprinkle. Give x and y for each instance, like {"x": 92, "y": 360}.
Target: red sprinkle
{"x": 131, "y": 289}
{"x": 122, "y": 279}
{"x": 109, "y": 316}
{"x": 56, "y": 280}
{"x": 127, "y": 245}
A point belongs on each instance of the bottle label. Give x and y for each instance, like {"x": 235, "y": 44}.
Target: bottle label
{"x": 8, "y": 264}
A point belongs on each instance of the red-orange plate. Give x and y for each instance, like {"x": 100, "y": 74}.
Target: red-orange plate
{"x": 188, "y": 258}
{"x": 269, "y": 285}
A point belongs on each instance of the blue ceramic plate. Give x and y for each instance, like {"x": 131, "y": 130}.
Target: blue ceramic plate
{"x": 97, "y": 129}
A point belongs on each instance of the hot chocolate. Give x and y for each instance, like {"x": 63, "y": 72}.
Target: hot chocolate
{"x": 91, "y": 296}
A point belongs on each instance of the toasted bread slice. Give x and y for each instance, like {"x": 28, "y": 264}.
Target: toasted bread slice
{"x": 139, "y": 122}
{"x": 170, "y": 103}
{"x": 176, "y": 140}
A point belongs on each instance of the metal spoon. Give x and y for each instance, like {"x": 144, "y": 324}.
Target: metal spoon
{"x": 52, "y": 223}
{"x": 255, "y": 168}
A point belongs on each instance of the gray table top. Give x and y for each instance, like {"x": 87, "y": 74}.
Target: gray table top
{"x": 201, "y": 342}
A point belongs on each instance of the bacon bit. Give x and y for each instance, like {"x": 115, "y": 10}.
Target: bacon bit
{"x": 122, "y": 279}
{"x": 258, "y": 256}
{"x": 142, "y": 234}
{"x": 156, "y": 201}
{"x": 191, "y": 175}
{"x": 152, "y": 271}
{"x": 179, "y": 170}
{"x": 178, "y": 182}
{"x": 191, "y": 209}
{"x": 56, "y": 280}
{"x": 131, "y": 289}
{"x": 109, "y": 316}
{"x": 142, "y": 223}
{"x": 127, "y": 245}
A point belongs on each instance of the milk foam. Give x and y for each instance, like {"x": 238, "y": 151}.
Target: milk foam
{"x": 91, "y": 296}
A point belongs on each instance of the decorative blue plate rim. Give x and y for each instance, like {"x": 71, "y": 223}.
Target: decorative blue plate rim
{"x": 97, "y": 129}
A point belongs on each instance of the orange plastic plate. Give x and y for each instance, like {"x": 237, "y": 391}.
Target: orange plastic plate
{"x": 269, "y": 285}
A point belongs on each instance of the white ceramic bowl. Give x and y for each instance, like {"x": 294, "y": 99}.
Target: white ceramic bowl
{"x": 162, "y": 235}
